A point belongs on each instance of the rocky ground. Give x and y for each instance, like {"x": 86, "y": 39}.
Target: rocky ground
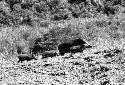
{"x": 99, "y": 22}
{"x": 92, "y": 67}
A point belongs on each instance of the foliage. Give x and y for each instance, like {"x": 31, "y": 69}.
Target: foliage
{"x": 28, "y": 12}
{"x": 101, "y": 24}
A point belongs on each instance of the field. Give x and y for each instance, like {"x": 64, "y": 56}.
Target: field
{"x": 100, "y": 23}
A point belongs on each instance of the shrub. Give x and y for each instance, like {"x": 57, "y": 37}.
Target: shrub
{"x": 12, "y": 2}
{"x": 113, "y": 28}
{"x": 75, "y": 1}
{"x": 41, "y": 7}
{"x": 108, "y": 10}
{"x": 91, "y": 33}
{"x": 27, "y": 21}
{"x": 122, "y": 27}
{"x": 44, "y": 24}
{"x": 26, "y": 35}
{"x": 115, "y": 36}
{"x": 101, "y": 24}
{"x": 26, "y": 6}
{"x": 59, "y": 17}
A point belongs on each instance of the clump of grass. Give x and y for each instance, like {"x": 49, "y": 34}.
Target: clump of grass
{"x": 17, "y": 40}
{"x": 101, "y": 24}
{"x": 44, "y": 24}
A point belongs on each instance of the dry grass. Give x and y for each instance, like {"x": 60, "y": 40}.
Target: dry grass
{"x": 64, "y": 70}
{"x": 17, "y": 36}
{"x": 60, "y": 70}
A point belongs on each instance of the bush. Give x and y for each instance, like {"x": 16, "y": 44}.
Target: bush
{"x": 44, "y": 24}
{"x": 91, "y": 33}
{"x": 101, "y": 24}
{"x": 108, "y": 10}
{"x": 11, "y": 3}
{"x": 26, "y": 6}
{"x": 31, "y": 12}
{"x": 122, "y": 27}
{"x": 115, "y": 36}
{"x": 114, "y": 2}
{"x": 113, "y": 28}
{"x": 113, "y": 32}
{"x": 76, "y": 1}
{"x": 60, "y": 17}
{"x": 93, "y": 8}
{"x": 41, "y": 7}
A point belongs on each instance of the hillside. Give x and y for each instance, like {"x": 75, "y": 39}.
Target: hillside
{"x": 101, "y": 23}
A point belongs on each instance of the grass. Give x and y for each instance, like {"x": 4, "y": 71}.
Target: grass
{"x": 96, "y": 31}
{"x": 24, "y": 35}
{"x": 61, "y": 66}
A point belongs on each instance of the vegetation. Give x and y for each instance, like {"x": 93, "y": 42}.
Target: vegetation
{"x": 23, "y": 21}
{"x": 26, "y": 25}
{"x": 18, "y": 12}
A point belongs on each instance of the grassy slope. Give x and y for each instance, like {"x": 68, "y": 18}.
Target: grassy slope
{"x": 67, "y": 69}
{"x": 67, "y": 73}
